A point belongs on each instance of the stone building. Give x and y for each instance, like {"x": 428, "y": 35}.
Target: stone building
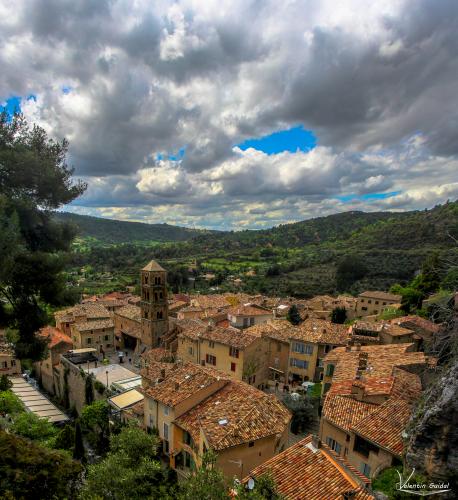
{"x": 154, "y": 304}
{"x": 47, "y": 369}
{"x": 371, "y": 303}
{"x": 9, "y": 365}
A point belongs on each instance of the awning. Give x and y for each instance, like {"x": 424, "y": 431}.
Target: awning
{"x": 126, "y": 399}
{"x": 275, "y": 369}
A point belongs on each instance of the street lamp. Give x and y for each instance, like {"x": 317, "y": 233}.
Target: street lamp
{"x": 107, "y": 378}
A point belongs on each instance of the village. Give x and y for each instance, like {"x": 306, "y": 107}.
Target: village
{"x": 214, "y": 372}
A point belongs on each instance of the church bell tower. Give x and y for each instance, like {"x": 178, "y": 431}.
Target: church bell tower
{"x": 154, "y": 305}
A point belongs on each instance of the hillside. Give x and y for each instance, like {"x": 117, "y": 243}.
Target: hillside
{"x": 110, "y": 231}
{"x": 300, "y": 259}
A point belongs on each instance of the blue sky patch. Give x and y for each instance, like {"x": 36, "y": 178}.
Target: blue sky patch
{"x": 367, "y": 197}
{"x": 13, "y": 104}
{"x": 293, "y": 140}
{"x": 171, "y": 156}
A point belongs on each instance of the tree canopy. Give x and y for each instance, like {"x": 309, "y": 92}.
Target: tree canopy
{"x": 35, "y": 180}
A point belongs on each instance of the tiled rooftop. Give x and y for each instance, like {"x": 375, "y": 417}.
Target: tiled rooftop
{"x": 248, "y": 310}
{"x": 91, "y": 310}
{"x": 345, "y": 411}
{"x": 54, "y": 336}
{"x": 416, "y": 321}
{"x": 235, "y": 414}
{"x": 376, "y": 294}
{"x": 182, "y": 381}
{"x": 197, "y": 329}
{"x": 87, "y": 326}
{"x": 320, "y": 331}
{"x": 381, "y": 360}
{"x": 304, "y": 472}
{"x": 274, "y": 329}
{"x": 130, "y": 312}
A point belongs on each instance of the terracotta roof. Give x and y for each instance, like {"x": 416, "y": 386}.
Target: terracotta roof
{"x": 235, "y": 414}
{"x": 176, "y": 304}
{"x": 320, "y": 331}
{"x": 396, "y": 330}
{"x": 156, "y": 371}
{"x": 385, "y": 425}
{"x": 228, "y": 336}
{"x": 380, "y": 295}
{"x": 418, "y": 322}
{"x": 130, "y": 312}
{"x": 94, "y": 325}
{"x": 210, "y": 301}
{"x": 54, "y": 336}
{"x": 156, "y": 354}
{"x": 153, "y": 266}
{"x": 304, "y": 472}
{"x": 345, "y": 411}
{"x": 182, "y": 381}
{"x": 381, "y": 360}
{"x": 274, "y": 329}
{"x": 249, "y": 310}
{"x": 6, "y": 349}
{"x": 91, "y": 310}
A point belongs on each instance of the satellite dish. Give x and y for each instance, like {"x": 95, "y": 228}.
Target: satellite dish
{"x": 250, "y": 483}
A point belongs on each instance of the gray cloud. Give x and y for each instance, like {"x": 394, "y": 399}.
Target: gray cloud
{"x": 376, "y": 82}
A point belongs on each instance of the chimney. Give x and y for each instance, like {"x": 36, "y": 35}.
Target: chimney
{"x": 362, "y": 361}
{"x": 316, "y": 443}
{"x": 357, "y": 390}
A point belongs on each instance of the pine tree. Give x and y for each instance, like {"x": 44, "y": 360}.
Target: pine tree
{"x": 293, "y": 315}
{"x": 78, "y": 449}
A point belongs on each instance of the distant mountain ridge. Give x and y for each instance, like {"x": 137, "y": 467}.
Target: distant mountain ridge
{"x": 110, "y": 231}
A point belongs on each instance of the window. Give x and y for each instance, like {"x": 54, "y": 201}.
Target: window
{"x": 106, "y": 337}
{"x": 309, "y": 349}
{"x": 210, "y": 359}
{"x": 362, "y": 300}
{"x": 88, "y": 340}
{"x": 299, "y": 363}
{"x": 364, "y": 308}
{"x": 251, "y": 321}
{"x": 363, "y": 447}
{"x": 302, "y": 348}
{"x": 4, "y": 364}
{"x": 365, "y": 469}
{"x": 156, "y": 296}
{"x": 329, "y": 370}
{"x": 327, "y": 348}
{"x": 375, "y": 311}
{"x": 166, "y": 410}
{"x": 211, "y": 344}
{"x": 159, "y": 315}
{"x": 233, "y": 366}
{"x": 13, "y": 362}
{"x": 334, "y": 445}
{"x": 369, "y": 301}
{"x": 146, "y": 279}
{"x": 166, "y": 431}
{"x": 251, "y": 444}
{"x": 245, "y": 322}
{"x": 151, "y": 421}
{"x": 157, "y": 280}
{"x": 233, "y": 352}
{"x": 145, "y": 314}
{"x": 384, "y": 303}
{"x": 190, "y": 351}
{"x": 376, "y": 302}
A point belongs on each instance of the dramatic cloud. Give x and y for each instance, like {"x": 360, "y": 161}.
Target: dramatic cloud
{"x": 155, "y": 97}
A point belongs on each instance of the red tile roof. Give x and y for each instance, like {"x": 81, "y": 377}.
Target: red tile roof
{"x": 54, "y": 336}
{"x": 303, "y": 472}
{"x": 235, "y": 414}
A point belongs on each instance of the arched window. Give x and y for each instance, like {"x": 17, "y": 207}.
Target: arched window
{"x": 159, "y": 315}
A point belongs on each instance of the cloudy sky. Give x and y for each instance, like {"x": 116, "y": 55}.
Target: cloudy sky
{"x": 241, "y": 114}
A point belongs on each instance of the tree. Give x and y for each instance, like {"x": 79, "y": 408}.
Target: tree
{"x": 65, "y": 440}
{"x": 293, "y": 315}
{"x": 302, "y": 409}
{"x": 5, "y": 383}
{"x": 95, "y": 418}
{"x": 339, "y": 315}
{"x": 10, "y": 404}
{"x": 88, "y": 390}
{"x": 29, "y": 425}
{"x": 207, "y": 483}
{"x": 29, "y": 470}
{"x": 35, "y": 180}
{"x": 78, "y": 447}
{"x": 350, "y": 269}
{"x": 133, "y": 469}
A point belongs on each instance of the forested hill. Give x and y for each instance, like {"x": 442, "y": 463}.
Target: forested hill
{"x": 359, "y": 229}
{"x": 110, "y": 231}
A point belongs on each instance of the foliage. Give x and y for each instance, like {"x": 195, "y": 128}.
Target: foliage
{"x": 88, "y": 390}
{"x": 350, "y": 269}
{"x": 339, "y": 315}
{"x": 29, "y": 470}
{"x": 10, "y": 404}
{"x": 29, "y": 425}
{"x": 264, "y": 489}
{"x": 390, "y": 313}
{"x": 207, "y": 482}
{"x": 133, "y": 469}
{"x": 65, "y": 439}
{"x": 78, "y": 447}
{"x": 388, "y": 480}
{"x": 293, "y": 315}
{"x": 5, "y": 383}
{"x": 303, "y": 411}
{"x": 95, "y": 419}
{"x": 34, "y": 181}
